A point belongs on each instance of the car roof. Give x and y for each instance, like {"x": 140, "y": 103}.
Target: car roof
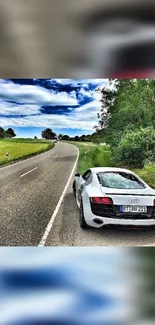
{"x": 109, "y": 169}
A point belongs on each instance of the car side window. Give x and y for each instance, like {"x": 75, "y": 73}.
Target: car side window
{"x": 89, "y": 179}
{"x": 87, "y": 176}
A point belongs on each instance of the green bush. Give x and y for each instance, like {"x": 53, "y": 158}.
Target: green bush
{"x": 102, "y": 158}
{"x": 147, "y": 174}
{"x": 136, "y": 148}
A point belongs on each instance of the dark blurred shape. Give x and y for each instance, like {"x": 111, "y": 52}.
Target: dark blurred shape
{"x": 34, "y": 279}
{"x": 92, "y": 38}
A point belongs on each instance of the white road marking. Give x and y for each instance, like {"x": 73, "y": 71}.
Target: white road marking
{"x": 56, "y": 156}
{"x": 50, "y": 224}
{"x": 29, "y": 172}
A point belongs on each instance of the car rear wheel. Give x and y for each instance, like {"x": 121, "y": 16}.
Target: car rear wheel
{"x": 82, "y": 221}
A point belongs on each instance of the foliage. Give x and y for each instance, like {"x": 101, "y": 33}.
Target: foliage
{"x": 48, "y": 134}
{"x": 96, "y": 137}
{"x": 129, "y": 109}
{"x": 136, "y": 147}
{"x": 147, "y": 174}
{"x": 2, "y": 133}
{"x": 65, "y": 137}
{"x": 10, "y": 133}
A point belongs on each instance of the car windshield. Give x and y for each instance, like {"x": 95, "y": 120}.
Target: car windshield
{"x": 119, "y": 180}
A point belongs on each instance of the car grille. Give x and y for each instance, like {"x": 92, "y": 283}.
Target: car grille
{"x": 105, "y": 210}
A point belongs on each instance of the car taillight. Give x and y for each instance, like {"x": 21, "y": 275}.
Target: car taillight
{"x": 103, "y": 200}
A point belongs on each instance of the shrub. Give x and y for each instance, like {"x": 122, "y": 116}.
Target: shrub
{"x": 136, "y": 148}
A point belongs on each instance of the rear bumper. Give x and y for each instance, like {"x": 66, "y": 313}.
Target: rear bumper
{"x": 94, "y": 220}
{"x": 99, "y": 216}
{"x": 97, "y": 221}
{"x": 128, "y": 222}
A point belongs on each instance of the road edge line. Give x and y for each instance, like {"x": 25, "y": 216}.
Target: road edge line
{"x": 50, "y": 224}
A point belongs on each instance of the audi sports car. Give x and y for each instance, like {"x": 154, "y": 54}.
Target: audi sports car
{"x": 113, "y": 196}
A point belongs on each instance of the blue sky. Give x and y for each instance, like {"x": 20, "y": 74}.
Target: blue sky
{"x": 68, "y": 106}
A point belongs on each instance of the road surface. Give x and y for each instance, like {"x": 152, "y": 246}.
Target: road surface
{"x": 31, "y": 195}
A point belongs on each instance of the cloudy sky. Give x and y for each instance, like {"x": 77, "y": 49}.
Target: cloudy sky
{"x": 68, "y": 106}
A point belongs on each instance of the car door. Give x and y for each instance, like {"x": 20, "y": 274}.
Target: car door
{"x": 83, "y": 182}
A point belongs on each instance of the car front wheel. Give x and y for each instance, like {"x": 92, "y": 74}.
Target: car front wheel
{"x": 74, "y": 188}
{"x": 82, "y": 221}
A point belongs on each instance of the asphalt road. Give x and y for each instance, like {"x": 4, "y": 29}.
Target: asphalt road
{"x": 29, "y": 195}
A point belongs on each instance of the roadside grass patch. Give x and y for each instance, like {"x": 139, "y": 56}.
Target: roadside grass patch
{"x": 100, "y": 156}
{"x": 92, "y": 155}
{"x": 19, "y": 149}
{"x": 147, "y": 174}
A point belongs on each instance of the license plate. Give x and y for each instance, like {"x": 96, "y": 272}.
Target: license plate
{"x": 133, "y": 208}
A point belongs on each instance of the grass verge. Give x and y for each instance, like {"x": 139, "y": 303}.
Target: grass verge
{"x": 97, "y": 156}
{"x": 147, "y": 174}
{"x": 20, "y": 149}
{"x": 92, "y": 155}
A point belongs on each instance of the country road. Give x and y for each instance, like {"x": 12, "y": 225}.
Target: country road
{"x": 29, "y": 195}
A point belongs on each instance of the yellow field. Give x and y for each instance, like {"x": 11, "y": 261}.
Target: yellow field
{"x": 21, "y": 149}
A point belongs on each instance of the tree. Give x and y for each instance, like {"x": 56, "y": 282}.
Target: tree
{"x": 83, "y": 138}
{"x": 60, "y": 136}
{"x": 128, "y": 107}
{"x": 2, "y": 133}
{"x": 65, "y": 138}
{"x": 48, "y": 134}
{"x": 35, "y": 137}
{"x": 97, "y": 140}
{"x": 77, "y": 139}
{"x": 10, "y": 133}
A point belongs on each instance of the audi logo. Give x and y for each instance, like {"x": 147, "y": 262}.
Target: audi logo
{"x": 134, "y": 201}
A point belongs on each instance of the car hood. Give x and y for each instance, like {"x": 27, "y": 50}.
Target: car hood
{"x": 140, "y": 192}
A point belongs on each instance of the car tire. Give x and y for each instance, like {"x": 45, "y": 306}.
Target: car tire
{"x": 82, "y": 221}
{"x": 74, "y": 188}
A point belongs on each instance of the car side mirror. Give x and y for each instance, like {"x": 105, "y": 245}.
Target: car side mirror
{"x": 77, "y": 175}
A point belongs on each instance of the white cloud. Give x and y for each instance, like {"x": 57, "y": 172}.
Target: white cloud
{"x": 35, "y": 95}
{"x": 83, "y": 82}
{"x": 13, "y": 109}
{"x": 84, "y": 117}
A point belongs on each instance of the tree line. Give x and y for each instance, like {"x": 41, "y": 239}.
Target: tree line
{"x": 83, "y": 138}
{"x": 49, "y": 134}
{"x": 9, "y": 133}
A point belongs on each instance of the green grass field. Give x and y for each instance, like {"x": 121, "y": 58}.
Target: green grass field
{"x": 21, "y": 149}
{"x": 97, "y": 156}
{"x": 147, "y": 174}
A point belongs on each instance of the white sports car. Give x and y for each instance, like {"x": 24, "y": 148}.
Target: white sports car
{"x": 113, "y": 196}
